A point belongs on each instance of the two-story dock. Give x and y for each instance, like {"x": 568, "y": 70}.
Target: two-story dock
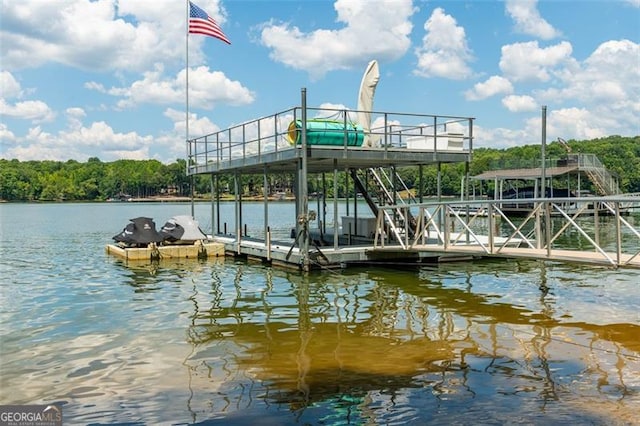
{"x": 309, "y": 143}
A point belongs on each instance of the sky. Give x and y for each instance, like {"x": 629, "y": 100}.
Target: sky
{"x": 107, "y": 78}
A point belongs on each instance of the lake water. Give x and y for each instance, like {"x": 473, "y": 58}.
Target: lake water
{"x": 231, "y": 342}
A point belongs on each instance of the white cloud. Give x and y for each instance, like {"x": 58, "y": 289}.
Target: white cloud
{"x": 100, "y": 35}
{"x": 76, "y": 112}
{"x": 6, "y": 135}
{"x": 206, "y": 89}
{"x": 35, "y": 111}
{"x": 528, "y": 61}
{"x": 198, "y": 126}
{"x": 75, "y": 116}
{"x": 608, "y": 84}
{"x": 519, "y": 103}
{"x": 574, "y": 123}
{"x": 495, "y": 85}
{"x": 444, "y": 51}
{"x": 611, "y": 73}
{"x": 10, "y": 86}
{"x": 79, "y": 142}
{"x": 578, "y": 123}
{"x": 369, "y": 32}
{"x": 528, "y": 20}
{"x": 500, "y": 137}
{"x": 592, "y": 99}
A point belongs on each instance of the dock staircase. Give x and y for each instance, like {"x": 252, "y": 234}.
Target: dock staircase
{"x": 602, "y": 179}
{"x": 380, "y": 188}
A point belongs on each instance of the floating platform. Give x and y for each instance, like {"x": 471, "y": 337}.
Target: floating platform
{"x": 193, "y": 251}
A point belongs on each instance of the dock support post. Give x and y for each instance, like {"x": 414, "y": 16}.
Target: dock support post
{"x": 618, "y": 235}
{"x": 335, "y": 204}
{"x": 238, "y": 208}
{"x": 547, "y": 227}
{"x": 324, "y": 204}
{"x": 439, "y": 191}
{"x": 217, "y": 204}
{"x": 192, "y": 194}
{"x": 319, "y": 217}
{"x": 355, "y": 209}
{"x": 346, "y": 189}
{"x": 267, "y": 237}
{"x": 596, "y": 225}
{"x": 466, "y": 197}
{"x": 421, "y": 183}
{"x": 537, "y": 206}
{"x": 213, "y": 214}
{"x": 265, "y": 192}
{"x": 492, "y": 228}
{"x": 304, "y": 205}
{"x": 447, "y": 234}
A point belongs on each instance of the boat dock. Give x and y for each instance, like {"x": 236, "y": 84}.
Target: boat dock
{"x": 396, "y": 228}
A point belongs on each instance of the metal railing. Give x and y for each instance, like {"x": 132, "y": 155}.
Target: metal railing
{"x": 275, "y": 133}
{"x": 487, "y": 227}
{"x": 598, "y": 173}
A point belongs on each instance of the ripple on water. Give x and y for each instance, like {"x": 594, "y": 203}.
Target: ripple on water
{"x": 469, "y": 343}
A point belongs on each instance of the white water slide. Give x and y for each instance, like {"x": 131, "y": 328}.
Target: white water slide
{"x": 365, "y": 101}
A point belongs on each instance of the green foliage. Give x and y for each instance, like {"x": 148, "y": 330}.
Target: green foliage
{"x": 93, "y": 180}
{"x": 96, "y": 180}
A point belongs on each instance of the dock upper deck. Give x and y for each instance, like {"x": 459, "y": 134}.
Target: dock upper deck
{"x": 273, "y": 143}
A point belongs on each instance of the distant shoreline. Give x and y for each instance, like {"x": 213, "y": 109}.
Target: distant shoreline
{"x": 179, "y": 199}
{"x": 148, "y": 200}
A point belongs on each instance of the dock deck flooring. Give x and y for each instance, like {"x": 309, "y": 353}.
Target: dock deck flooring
{"x": 590, "y": 257}
{"x": 329, "y": 256}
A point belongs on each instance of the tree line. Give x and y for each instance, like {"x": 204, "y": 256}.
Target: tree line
{"x": 95, "y": 180}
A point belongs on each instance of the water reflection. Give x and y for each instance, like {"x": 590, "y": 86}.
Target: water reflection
{"x": 378, "y": 346}
{"x": 496, "y": 342}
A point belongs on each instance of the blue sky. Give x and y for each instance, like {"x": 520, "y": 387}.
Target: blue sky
{"x": 106, "y": 78}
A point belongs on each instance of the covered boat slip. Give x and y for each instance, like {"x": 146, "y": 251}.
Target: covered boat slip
{"x": 561, "y": 178}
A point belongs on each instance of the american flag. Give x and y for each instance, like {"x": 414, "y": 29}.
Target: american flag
{"x": 201, "y": 23}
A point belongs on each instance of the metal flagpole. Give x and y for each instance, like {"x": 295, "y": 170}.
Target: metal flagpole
{"x": 187, "y": 107}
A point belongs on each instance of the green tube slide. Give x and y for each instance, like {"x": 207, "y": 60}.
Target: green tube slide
{"x": 326, "y": 132}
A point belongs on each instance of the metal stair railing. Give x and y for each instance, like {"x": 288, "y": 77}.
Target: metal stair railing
{"x": 599, "y": 175}
{"x": 390, "y": 183}
{"x": 383, "y": 183}
{"x": 391, "y": 226}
